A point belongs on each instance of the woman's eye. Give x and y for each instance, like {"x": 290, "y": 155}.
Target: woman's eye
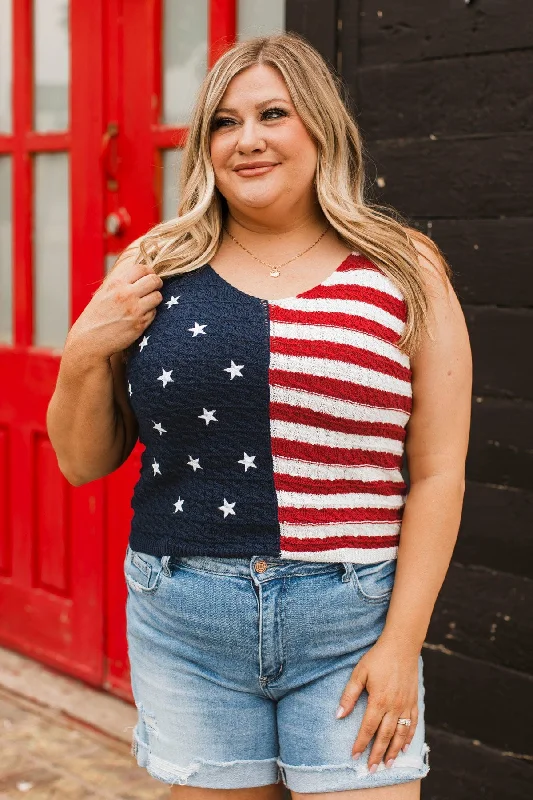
{"x": 220, "y": 122}
{"x": 269, "y": 113}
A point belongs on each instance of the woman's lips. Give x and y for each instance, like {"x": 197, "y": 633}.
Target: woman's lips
{"x": 250, "y": 172}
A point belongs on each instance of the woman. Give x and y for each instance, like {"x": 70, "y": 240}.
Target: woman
{"x": 275, "y": 347}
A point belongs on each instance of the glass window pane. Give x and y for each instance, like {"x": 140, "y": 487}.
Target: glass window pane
{"x": 51, "y": 254}
{"x": 171, "y": 167}
{"x": 255, "y": 17}
{"x": 52, "y": 64}
{"x": 184, "y": 57}
{"x": 6, "y": 267}
{"x": 6, "y": 55}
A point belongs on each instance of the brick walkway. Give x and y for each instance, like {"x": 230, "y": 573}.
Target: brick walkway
{"x": 46, "y": 756}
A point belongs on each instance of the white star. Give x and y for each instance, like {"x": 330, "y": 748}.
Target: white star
{"x": 178, "y": 506}
{"x": 194, "y": 463}
{"x": 129, "y": 389}
{"x": 165, "y": 377}
{"x": 208, "y": 416}
{"x": 144, "y": 343}
{"x": 234, "y": 370}
{"x": 159, "y": 427}
{"x": 155, "y": 467}
{"x": 248, "y": 461}
{"x": 173, "y": 301}
{"x": 227, "y": 508}
{"x": 198, "y": 329}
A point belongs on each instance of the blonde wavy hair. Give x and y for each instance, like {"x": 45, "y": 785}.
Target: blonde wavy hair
{"x": 379, "y": 232}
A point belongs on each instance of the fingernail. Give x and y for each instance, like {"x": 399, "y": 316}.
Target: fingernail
{"x": 355, "y": 755}
{"x": 340, "y": 712}
{"x": 404, "y": 748}
{"x": 390, "y": 762}
{"x": 373, "y": 768}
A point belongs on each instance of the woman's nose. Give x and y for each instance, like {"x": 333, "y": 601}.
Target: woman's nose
{"x": 250, "y": 138}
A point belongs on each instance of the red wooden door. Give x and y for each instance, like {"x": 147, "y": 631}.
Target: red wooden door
{"x": 89, "y": 145}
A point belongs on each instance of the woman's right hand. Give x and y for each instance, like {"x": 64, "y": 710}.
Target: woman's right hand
{"x": 119, "y": 311}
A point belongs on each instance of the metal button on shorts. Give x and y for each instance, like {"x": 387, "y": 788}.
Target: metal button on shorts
{"x": 260, "y": 566}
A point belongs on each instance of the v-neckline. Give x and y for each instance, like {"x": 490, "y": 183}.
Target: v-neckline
{"x": 279, "y": 299}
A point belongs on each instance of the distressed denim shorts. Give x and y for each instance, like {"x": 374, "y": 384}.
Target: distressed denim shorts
{"x": 238, "y": 666}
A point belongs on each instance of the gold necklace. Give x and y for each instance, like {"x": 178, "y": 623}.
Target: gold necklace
{"x": 274, "y": 269}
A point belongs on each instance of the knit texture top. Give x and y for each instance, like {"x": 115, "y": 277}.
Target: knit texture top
{"x": 272, "y": 427}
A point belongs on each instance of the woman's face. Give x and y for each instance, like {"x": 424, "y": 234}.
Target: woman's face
{"x": 257, "y": 124}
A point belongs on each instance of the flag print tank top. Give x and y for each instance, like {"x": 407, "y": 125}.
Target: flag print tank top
{"x": 272, "y": 427}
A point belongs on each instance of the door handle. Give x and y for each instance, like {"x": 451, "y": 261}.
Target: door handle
{"x": 117, "y": 222}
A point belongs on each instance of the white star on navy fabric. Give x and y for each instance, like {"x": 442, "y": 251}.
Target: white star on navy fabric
{"x": 155, "y": 467}
{"x": 129, "y": 389}
{"x": 165, "y": 377}
{"x": 173, "y": 301}
{"x": 159, "y": 427}
{"x": 178, "y": 506}
{"x": 248, "y": 461}
{"x": 194, "y": 463}
{"x": 234, "y": 370}
{"x": 198, "y": 329}
{"x": 144, "y": 343}
{"x": 208, "y": 416}
{"x": 227, "y": 508}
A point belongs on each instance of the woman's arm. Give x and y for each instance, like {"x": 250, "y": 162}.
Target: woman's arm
{"x": 436, "y": 447}
{"x": 90, "y": 422}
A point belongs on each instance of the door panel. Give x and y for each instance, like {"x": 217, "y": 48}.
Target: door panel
{"x": 6, "y": 563}
{"x": 52, "y": 555}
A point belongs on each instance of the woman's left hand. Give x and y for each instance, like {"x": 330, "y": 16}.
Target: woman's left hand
{"x": 389, "y": 673}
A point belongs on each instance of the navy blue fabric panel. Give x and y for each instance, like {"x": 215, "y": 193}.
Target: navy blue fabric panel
{"x": 197, "y": 423}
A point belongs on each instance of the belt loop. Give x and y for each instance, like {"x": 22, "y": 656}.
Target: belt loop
{"x": 347, "y": 574}
{"x": 165, "y": 566}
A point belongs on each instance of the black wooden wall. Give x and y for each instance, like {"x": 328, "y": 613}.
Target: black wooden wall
{"x": 443, "y": 93}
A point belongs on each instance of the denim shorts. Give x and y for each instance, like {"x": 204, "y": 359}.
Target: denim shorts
{"x": 238, "y": 666}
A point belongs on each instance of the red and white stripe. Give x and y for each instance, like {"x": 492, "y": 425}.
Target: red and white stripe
{"x": 340, "y": 398}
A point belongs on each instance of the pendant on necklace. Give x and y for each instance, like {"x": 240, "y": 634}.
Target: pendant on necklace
{"x": 274, "y": 273}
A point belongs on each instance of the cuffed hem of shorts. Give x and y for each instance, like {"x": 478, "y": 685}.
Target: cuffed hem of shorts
{"x": 208, "y": 774}
{"x": 339, "y": 777}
